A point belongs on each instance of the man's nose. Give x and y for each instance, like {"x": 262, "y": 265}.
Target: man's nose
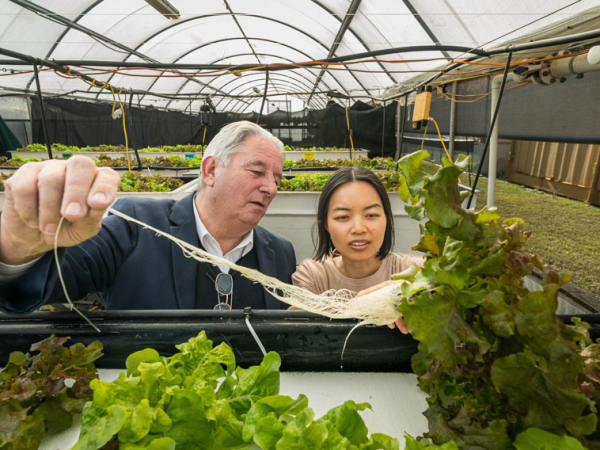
{"x": 269, "y": 186}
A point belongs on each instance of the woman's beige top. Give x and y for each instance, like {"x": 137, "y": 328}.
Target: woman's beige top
{"x": 319, "y": 277}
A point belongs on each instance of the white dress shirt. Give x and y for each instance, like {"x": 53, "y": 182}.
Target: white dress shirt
{"x": 9, "y": 272}
{"x": 211, "y": 245}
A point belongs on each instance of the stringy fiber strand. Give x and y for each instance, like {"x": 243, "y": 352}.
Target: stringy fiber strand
{"x": 377, "y": 308}
{"x": 62, "y": 281}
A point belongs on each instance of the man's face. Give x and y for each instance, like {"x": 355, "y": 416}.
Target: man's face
{"x": 246, "y": 187}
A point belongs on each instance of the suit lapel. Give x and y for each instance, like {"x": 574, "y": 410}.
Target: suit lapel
{"x": 184, "y": 269}
{"x": 266, "y": 263}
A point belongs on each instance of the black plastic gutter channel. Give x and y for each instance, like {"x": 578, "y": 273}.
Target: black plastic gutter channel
{"x": 305, "y": 341}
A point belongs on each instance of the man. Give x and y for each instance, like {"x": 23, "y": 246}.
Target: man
{"x": 131, "y": 267}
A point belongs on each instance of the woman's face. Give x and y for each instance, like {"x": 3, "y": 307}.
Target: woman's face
{"x": 356, "y": 221}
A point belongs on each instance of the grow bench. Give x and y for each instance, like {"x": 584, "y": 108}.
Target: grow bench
{"x": 375, "y": 367}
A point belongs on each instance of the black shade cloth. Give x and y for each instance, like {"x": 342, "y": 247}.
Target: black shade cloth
{"x": 8, "y": 141}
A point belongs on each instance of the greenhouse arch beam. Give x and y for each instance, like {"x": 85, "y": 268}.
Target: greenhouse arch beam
{"x": 358, "y": 38}
{"x": 425, "y": 27}
{"x": 64, "y": 33}
{"x": 306, "y": 85}
{"x": 248, "y": 90}
{"x": 344, "y": 26}
{"x": 233, "y": 16}
{"x": 217, "y": 41}
{"x": 50, "y": 15}
{"x": 270, "y": 19}
{"x": 280, "y": 83}
{"x": 256, "y": 83}
{"x": 242, "y": 93}
{"x": 221, "y": 59}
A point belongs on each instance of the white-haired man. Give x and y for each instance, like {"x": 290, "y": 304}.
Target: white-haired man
{"x": 131, "y": 267}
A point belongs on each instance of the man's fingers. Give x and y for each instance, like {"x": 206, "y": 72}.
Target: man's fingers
{"x": 51, "y": 182}
{"x": 23, "y": 191}
{"x": 80, "y": 173}
{"x": 103, "y": 191}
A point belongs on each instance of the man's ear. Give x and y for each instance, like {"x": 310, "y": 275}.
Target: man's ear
{"x": 208, "y": 168}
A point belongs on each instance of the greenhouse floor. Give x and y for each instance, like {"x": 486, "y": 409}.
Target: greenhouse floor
{"x": 565, "y": 232}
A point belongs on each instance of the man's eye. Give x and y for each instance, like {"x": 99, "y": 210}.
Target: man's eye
{"x": 257, "y": 173}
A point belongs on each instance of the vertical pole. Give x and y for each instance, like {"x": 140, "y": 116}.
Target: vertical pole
{"x": 452, "y": 121}
{"x": 132, "y": 132}
{"x": 41, "y": 100}
{"x": 191, "y": 123}
{"x": 383, "y": 131}
{"x": 493, "y": 158}
{"x": 402, "y": 120}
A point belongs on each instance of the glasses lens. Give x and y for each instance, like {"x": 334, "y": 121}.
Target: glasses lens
{"x": 224, "y": 284}
{"x": 222, "y": 307}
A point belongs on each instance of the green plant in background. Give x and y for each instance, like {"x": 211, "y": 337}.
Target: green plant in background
{"x": 39, "y": 393}
{"x": 199, "y": 399}
{"x": 16, "y": 161}
{"x": 304, "y": 182}
{"x": 135, "y": 182}
{"x": 104, "y": 148}
{"x": 173, "y": 161}
{"x": 494, "y": 359}
{"x": 287, "y": 148}
{"x": 316, "y": 181}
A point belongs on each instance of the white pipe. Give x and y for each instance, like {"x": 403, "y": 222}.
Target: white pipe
{"x": 577, "y": 64}
{"x": 493, "y": 154}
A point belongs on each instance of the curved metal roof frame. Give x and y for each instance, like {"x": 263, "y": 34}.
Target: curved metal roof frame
{"x": 234, "y": 77}
{"x": 250, "y": 89}
{"x": 312, "y": 30}
{"x": 307, "y": 85}
{"x": 259, "y": 82}
{"x": 243, "y": 92}
{"x": 181, "y": 22}
{"x": 70, "y": 24}
{"x": 206, "y": 44}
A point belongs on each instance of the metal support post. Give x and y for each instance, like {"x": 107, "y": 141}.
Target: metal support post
{"x": 41, "y": 100}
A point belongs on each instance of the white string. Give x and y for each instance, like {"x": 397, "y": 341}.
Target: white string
{"x": 62, "y": 281}
{"x": 376, "y": 308}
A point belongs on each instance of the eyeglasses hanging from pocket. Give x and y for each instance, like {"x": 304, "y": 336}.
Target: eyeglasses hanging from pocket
{"x": 224, "y": 287}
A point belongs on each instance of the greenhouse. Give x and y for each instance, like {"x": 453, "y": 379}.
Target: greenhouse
{"x": 275, "y": 224}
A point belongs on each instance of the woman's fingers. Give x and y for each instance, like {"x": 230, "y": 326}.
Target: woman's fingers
{"x": 400, "y": 324}
{"x": 379, "y": 286}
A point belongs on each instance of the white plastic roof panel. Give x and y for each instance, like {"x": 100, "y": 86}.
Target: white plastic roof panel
{"x": 275, "y": 31}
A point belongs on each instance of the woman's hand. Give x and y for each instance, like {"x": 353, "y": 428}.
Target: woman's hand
{"x": 399, "y": 323}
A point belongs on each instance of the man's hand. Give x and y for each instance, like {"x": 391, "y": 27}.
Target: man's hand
{"x": 399, "y": 322}
{"x": 38, "y": 194}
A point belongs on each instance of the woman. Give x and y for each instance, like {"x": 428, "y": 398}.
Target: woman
{"x": 355, "y": 238}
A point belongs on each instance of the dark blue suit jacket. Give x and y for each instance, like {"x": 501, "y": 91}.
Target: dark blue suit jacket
{"x": 135, "y": 269}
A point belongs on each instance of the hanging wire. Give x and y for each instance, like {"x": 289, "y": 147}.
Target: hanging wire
{"x": 492, "y": 125}
{"x": 349, "y": 131}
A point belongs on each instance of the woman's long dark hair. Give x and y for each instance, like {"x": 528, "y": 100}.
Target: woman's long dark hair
{"x": 340, "y": 177}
